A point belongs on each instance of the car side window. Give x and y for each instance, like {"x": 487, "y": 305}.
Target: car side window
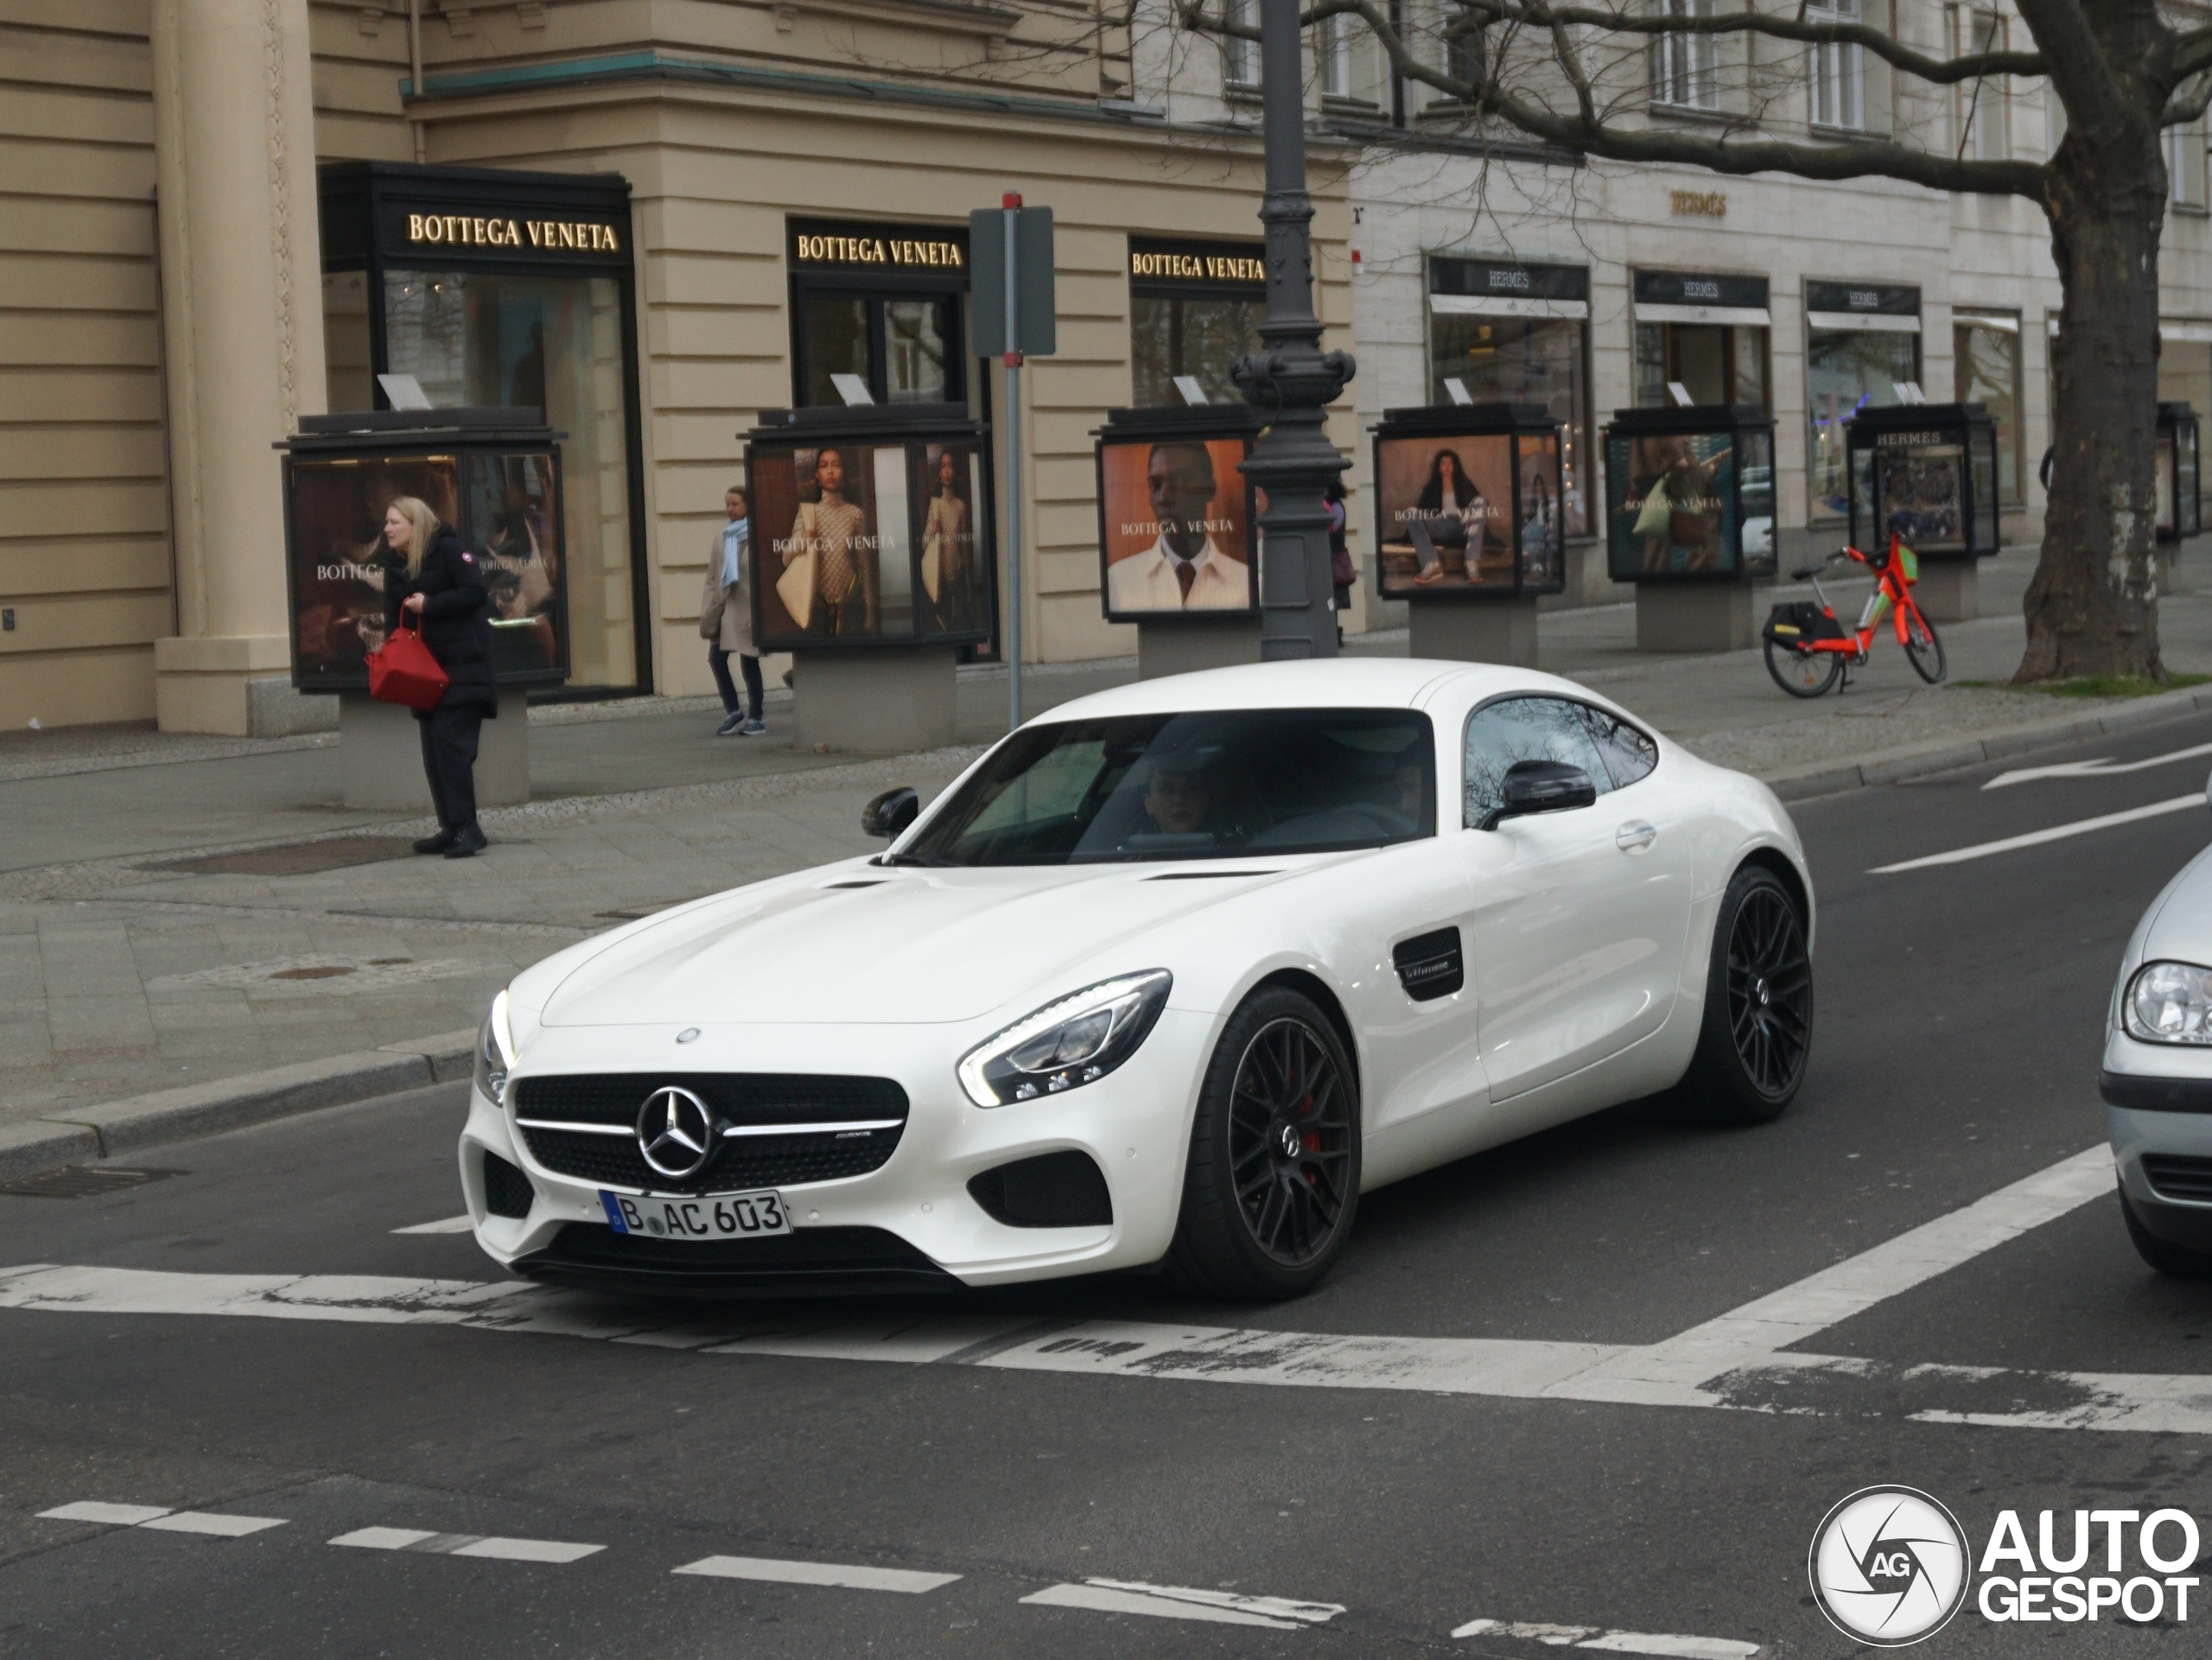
{"x": 1523, "y": 729}
{"x": 1630, "y": 754}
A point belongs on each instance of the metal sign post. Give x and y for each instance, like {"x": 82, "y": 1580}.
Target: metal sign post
{"x": 1013, "y": 247}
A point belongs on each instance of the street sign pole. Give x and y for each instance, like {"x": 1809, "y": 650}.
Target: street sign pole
{"x": 1011, "y": 203}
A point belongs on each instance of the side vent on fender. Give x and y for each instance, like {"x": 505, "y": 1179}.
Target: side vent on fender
{"x": 1429, "y": 965}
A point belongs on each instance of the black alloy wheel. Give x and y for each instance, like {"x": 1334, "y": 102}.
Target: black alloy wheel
{"x": 1273, "y": 1179}
{"x": 1758, "y": 1031}
{"x": 1922, "y": 649}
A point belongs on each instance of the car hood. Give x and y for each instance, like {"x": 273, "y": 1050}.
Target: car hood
{"x": 856, "y": 943}
{"x": 2179, "y": 925}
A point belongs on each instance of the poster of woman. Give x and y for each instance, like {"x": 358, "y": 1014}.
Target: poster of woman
{"x": 954, "y": 577}
{"x": 817, "y": 546}
{"x": 1675, "y": 508}
{"x": 1446, "y": 510}
{"x": 337, "y": 515}
{"x": 514, "y": 521}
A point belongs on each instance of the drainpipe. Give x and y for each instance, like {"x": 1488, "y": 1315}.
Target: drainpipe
{"x": 415, "y": 83}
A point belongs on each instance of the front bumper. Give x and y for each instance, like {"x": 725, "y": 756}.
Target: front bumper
{"x": 910, "y": 1225}
{"x": 2159, "y": 1117}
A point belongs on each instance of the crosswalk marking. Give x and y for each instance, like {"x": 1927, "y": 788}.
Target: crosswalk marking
{"x": 1185, "y": 1602}
{"x": 841, "y": 1575}
{"x": 1594, "y": 1637}
{"x": 1736, "y": 1361}
{"x": 466, "y": 1544}
{"x": 162, "y": 1520}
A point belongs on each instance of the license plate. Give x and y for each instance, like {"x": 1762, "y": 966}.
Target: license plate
{"x": 711, "y": 1216}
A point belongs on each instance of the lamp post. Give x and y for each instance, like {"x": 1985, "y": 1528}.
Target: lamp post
{"x": 1290, "y": 380}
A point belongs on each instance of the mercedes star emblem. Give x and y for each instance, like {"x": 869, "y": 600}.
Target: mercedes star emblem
{"x": 676, "y": 1133}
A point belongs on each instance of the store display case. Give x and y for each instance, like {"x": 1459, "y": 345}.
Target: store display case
{"x": 1926, "y": 474}
{"x": 1689, "y": 494}
{"x": 1178, "y": 521}
{"x": 1470, "y": 503}
{"x": 2180, "y": 511}
{"x": 872, "y": 527}
{"x": 492, "y": 475}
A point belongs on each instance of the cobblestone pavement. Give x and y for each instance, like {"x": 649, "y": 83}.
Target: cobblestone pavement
{"x": 127, "y": 966}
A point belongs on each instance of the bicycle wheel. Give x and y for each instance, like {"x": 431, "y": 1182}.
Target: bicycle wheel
{"x": 1803, "y": 673}
{"x": 1923, "y": 648}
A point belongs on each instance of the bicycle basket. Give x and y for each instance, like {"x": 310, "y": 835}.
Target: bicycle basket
{"x": 1799, "y": 623}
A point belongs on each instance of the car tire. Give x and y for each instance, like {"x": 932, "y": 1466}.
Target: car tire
{"x": 1757, "y": 1027}
{"x": 1272, "y": 1181}
{"x": 2175, "y": 1262}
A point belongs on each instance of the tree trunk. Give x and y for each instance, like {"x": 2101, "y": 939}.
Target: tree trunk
{"x": 2091, "y": 607}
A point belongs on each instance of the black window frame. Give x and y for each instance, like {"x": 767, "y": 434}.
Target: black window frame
{"x": 874, "y": 288}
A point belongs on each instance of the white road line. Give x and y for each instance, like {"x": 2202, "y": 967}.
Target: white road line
{"x": 1592, "y": 1637}
{"x": 2105, "y": 767}
{"x": 840, "y": 1575}
{"x": 466, "y": 1544}
{"x": 1696, "y": 1368}
{"x": 214, "y": 1526}
{"x": 208, "y": 1523}
{"x": 1185, "y": 1602}
{"x": 91, "y": 1510}
{"x": 450, "y": 1224}
{"x": 2034, "y": 838}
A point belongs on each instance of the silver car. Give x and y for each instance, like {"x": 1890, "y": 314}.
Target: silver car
{"x": 2156, "y": 1076}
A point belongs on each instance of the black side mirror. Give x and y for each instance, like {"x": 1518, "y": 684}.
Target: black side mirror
{"x": 1542, "y": 786}
{"x": 890, "y": 813}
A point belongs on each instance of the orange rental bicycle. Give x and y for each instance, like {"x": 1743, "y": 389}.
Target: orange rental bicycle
{"x": 1806, "y": 649}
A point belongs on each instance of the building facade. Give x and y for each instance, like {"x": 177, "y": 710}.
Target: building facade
{"x": 650, "y": 222}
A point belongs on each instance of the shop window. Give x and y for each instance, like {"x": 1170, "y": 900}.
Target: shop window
{"x": 1986, "y": 355}
{"x": 1195, "y": 307}
{"x": 879, "y": 302}
{"x": 552, "y": 344}
{"x": 1838, "y": 71}
{"x": 1847, "y": 370}
{"x": 1240, "y": 56}
{"x": 1518, "y": 360}
{"x": 2185, "y": 181}
{"x": 1685, "y": 68}
{"x": 1714, "y": 363}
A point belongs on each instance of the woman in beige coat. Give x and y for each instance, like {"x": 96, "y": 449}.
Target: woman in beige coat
{"x": 726, "y": 620}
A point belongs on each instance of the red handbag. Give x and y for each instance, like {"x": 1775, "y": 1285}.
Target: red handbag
{"x": 402, "y": 672}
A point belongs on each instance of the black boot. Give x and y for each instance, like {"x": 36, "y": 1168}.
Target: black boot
{"x": 467, "y": 842}
{"x": 438, "y": 844}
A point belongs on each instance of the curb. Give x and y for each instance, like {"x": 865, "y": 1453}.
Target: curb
{"x": 83, "y": 1135}
{"x": 87, "y": 1135}
{"x": 1950, "y": 754}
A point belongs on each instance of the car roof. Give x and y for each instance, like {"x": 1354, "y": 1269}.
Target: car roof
{"x": 1334, "y": 683}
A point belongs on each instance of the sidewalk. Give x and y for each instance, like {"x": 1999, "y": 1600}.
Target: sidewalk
{"x": 177, "y": 910}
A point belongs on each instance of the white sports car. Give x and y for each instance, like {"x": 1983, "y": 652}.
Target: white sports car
{"x": 1168, "y": 977}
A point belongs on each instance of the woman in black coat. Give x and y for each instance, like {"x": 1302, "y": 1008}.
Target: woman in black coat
{"x": 439, "y": 586}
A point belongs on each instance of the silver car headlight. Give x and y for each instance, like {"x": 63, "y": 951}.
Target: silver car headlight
{"x": 495, "y": 1051}
{"x": 2169, "y": 1002}
{"x": 1064, "y": 1044}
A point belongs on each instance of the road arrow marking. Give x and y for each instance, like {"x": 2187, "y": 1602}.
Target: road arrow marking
{"x": 2105, "y": 767}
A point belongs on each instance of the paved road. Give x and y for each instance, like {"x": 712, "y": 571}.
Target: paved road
{"x": 1408, "y": 1489}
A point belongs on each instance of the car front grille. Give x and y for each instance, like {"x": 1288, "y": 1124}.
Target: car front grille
{"x": 783, "y": 1103}
{"x": 807, "y": 1261}
{"x": 2174, "y": 1175}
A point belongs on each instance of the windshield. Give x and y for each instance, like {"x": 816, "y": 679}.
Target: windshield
{"x": 1191, "y": 786}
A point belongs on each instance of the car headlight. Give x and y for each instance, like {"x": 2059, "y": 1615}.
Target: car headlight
{"x": 1067, "y": 1044}
{"x": 495, "y": 1051}
{"x": 2169, "y": 1002}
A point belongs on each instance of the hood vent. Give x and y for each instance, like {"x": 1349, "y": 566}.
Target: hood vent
{"x": 1429, "y": 965}
{"x": 1205, "y": 875}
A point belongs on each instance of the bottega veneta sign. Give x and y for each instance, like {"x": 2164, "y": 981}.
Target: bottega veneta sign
{"x": 477, "y": 230}
{"x": 1171, "y": 266}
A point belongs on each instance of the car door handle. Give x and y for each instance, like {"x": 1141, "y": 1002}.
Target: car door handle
{"x": 1635, "y": 836}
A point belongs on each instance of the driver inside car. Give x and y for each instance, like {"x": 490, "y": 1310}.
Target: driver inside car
{"x": 1179, "y": 801}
